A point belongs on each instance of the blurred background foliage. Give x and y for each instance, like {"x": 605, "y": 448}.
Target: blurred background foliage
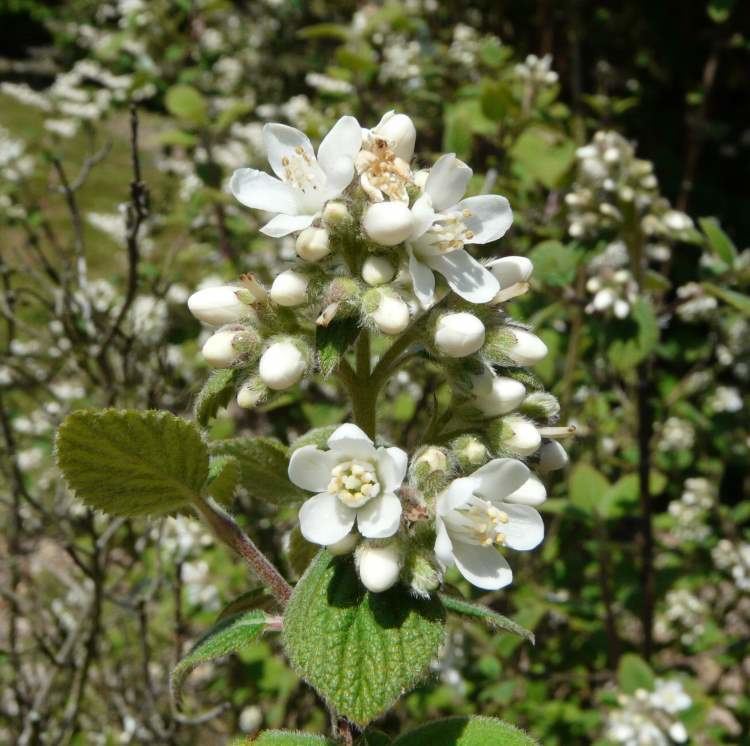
{"x": 639, "y": 596}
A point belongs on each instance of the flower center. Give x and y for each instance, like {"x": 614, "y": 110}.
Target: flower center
{"x": 448, "y": 233}
{"x": 479, "y": 522}
{"x": 382, "y": 171}
{"x": 303, "y": 173}
{"x": 354, "y": 482}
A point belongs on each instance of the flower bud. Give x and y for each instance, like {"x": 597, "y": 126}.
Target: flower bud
{"x": 552, "y": 456}
{"x": 505, "y": 395}
{"x": 345, "y": 545}
{"x": 527, "y": 348}
{"x": 511, "y": 269}
{"x": 432, "y": 459}
{"x": 289, "y": 288}
{"x": 388, "y": 223}
{"x": 399, "y": 132}
{"x": 459, "y": 334}
{"x": 531, "y": 492}
{"x": 335, "y": 213}
{"x": 312, "y": 244}
{"x": 470, "y": 452}
{"x": 420, "y": 572}
{"x": 377, "y": 270}
{"x": 251, "y": 393}
{"x": 520, "y": 436}
{"x": 391, "y": 315}
{"x": 218, "y": 305}
{"x": 378, "y": 566}
{"x": 540, "y": 405}
{"x": 281, "y": 366}
{"x": 219, "y": 350}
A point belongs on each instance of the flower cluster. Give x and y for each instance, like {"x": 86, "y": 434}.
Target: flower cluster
{"x": 650, "y": 718}
{"x": 383, "y": 247}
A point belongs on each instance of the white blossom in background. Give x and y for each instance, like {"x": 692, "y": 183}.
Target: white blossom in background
{"x": 692, "y": 510}
{"x": 726, "y": 399}
{"x": 684, "y": 616}
{"x": 676, "y": 435}
{"x": 734, "y": 558}
{"x": 536, "y": 70}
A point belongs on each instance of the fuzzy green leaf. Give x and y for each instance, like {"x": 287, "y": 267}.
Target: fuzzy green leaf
{"x": 740, "y": 301}
{"x": 254, "y": 599}
{"x": 465, "y": 731}
{"x": 131, "y": 463}
{"x": 333, "y": 341}
{"x": 318, "y": 437}
{"x": 284, "y": 738}
{"x": 223, "y": 477}
{"x": 373, "y": 738}
{"x": 634, "y": 673}
{"x": 491, "y": 618}
{"x": 301, "y": 552}
{"x": 554, "y": 263}
{"x": 226, "y": 636}
{"x": 718, "y": 241}
{"x": 263, "y": 468}
{"x": 587, "y": 487}
{"x": 187, "y": 103}
{"x": 360, "y": 650}
{"x": 217, "y": 392}
{"x": 542, "y": 154}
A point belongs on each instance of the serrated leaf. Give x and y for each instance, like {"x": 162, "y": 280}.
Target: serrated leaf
{"x": 217, "y": 392}
{"x": 491, "y": 618}
{"x": 587, "y": 487}
{"x": 542, "y": 154}
{"x": 718, "y": 241}
{"x": 284, "y": 738}
{"x": 634, "y": 673}
{"x": 187, "y": 103}
{"x": 263, "y": 467}
{"x": 131, "y": 463}
{"x": 554, "y": 263}
{"x": 333, "y": 341}
{"x": 360, "y": 650}
{"x": 223, "y": 477}
{"x": 466, "y": 731}
{"x": 226, "y": 636}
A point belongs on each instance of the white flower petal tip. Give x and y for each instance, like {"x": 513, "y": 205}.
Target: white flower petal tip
{"x": 504, "y": 395}
{"x": 531, "y": 492}
{"x": 378, "y": 567}
{"x": 388, "y": 223}
{"x": 399, "y": 132}
{"x": 344, "y": 546}
{"x": 219, "y": 350}
{"x": 459, "y": 334}
{"x": 325, "y": 520}
{"x": 289, "y": 289}
{"x": 447, "y": 182}
{"x": 218, "y": 305}
{"x": 520, "y": 436}
{"x": 510, "y": 270}
{"x": 392, "y": 315}
{"x": 552, "y": 456}
{"x": 282, "y": 366}
{"x": 527, "y": 349}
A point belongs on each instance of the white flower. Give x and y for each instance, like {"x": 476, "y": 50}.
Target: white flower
{"x": 474, "y": 519}
{"x": 388, "y": 223}
{"x": 552, "y": 456}
{"x": 383, "y": 162}
{"x": 520, "y": 436}
{"x": 527, "y": 348}
{"x": 670, "y": 696}
{"x": 378, "y": 567}
{"x": 444, "y": 224}
{"x": 218, "y": 305}
{"x": 219, "y": 350}
{"x": 305, "y": 183}
{"x": 392, "y": 314}
{"x": 289, "y": 288}
{"x": 281, "y": 366}
{"x": 377, "y": 270}
{"x": 459, "y": 334}
{"x": 354, "y": 482}
{"x": 312, "y": 244}
{"x": 496, "y": 395}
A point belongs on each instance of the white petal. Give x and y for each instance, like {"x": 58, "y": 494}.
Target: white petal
{"x": 491, "y": 216}
{"x": 498, "y": 478}
{"x": 465, "y": 275}
{"x": 457, "y": 494}
{"x": 531, "y": 492}
{"x": 423, "y": 281}
{"x": 337, "y": 151}
{"x": 284, "y": 142}
{"x": 391, "y": 468}
{"x": 379, "y": 517}
{"x": 283, "y": 225}
{"x": 423, "y": 216}
{"x": 259, "y": 190}
{"x": 525, "y": 527}
{"x": 352, "y": 441}
{"x": 310, "y": 468}
{"x": 447, "y": 181}
{"x": 324, "y": 519}
{"x": 483, "y": 567}
{"x": 510, "y": 270}
{"x": 443, "y": 544}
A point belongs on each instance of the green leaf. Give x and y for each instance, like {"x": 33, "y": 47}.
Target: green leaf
{"x": 373, "y": 738}
{"x": 318, "y": 437}
{"x": 625, "y": 354}
{"x": 131, "y": 463}
{"x": 178, "y": 137}
{"x": 333, "y": 341}
{"x": 263, "y": 467}
{"x": 301, "y": 552}
{"x": 465, "y": 731}
{"x": 554, "y": 263}
{"x": 187, "y": 103}
{"x": 325, "y": 31}
{"x": 621, "y": 498}
{"x": 718, "y": 241}
{"x": 223, "y": 477}
{"x": 462, "y": 121}
{"x": 217, "y": 392}
{"x": 285, "y": 738}
{"x": 491, "y": 618}
{"x": 634, "y": 673}
{"x": 542, "y": 154}
{"x": 587, "y": 487}
{"x": 360, "y": 650}
{"x": 226, "y": 636}
{"x": 255, "y": 599}
{"x": 733, "y": 298}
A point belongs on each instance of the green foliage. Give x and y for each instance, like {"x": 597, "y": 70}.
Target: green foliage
{"x": 554, "y": 263}
{"x": 333, "y": 341}
{"x": 731, "y": 297}
{"x": 132, "y": 463}
{"x": 465, "y": 731}
{"x": 223, "y": 477}
{"x": 317, "y": 436}
{"x": 360, "y": 650}
{"x": 491, "y": 618}
{"x": 263, "y": 468}
{"x": 187, "y": 104}
{"x": 226, "y": 636}
{"x": 217, "y": 392}
{"x": 718, "y": 241}
{"x": 634, "y": 673}
{"x": 627, "y": 353}
{"x": 587, "y": 487}
{"x": 373, "y": 738}
{"x": 542, "y": 155}
{"x": 286, "y": 738}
